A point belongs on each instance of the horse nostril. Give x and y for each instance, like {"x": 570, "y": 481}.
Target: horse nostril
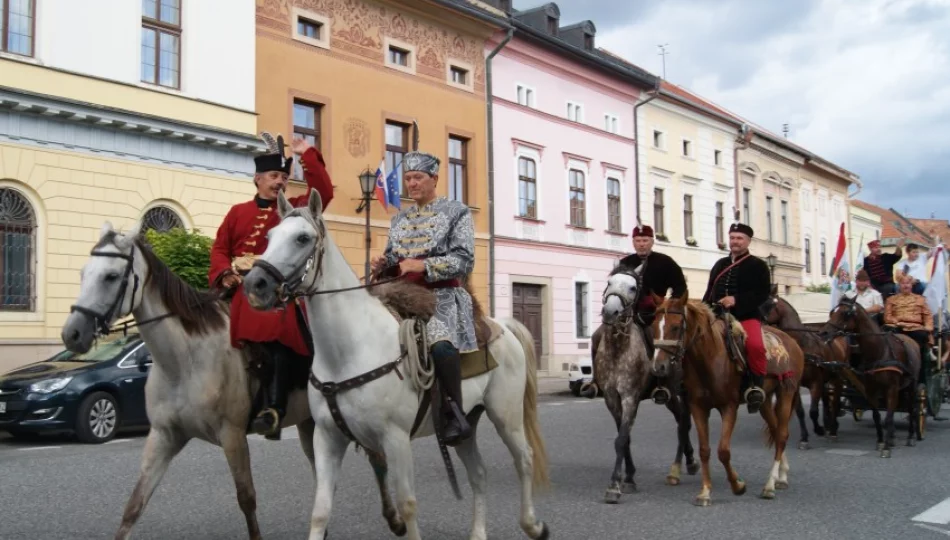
{"x": 74, "y": 336}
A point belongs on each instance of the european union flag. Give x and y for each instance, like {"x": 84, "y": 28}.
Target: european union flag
{"x": 392, "y": 188}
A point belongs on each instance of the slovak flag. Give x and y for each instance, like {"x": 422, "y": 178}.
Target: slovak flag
{"x": 387, "y": 187}
{"x": 381, "y": 185}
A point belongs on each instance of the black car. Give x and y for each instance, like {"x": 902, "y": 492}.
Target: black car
{"x": 92, "y": 395}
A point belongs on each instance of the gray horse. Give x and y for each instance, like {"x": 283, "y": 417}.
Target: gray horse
{"x": 199, "y": 386}
{"x": 625, "y": 373}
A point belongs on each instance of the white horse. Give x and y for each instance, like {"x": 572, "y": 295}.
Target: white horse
{"x": 198, "y": 386}
{"x": 353, "y": 334}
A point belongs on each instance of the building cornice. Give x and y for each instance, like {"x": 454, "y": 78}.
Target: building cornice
{"x": 70, "y": 111}
{"x": 679, "y": 107}
{"x": 560, "y": 120}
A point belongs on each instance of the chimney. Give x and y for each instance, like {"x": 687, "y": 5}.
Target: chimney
{"x": 503, "y": 5}
{"x": 544, "y": 19}
{"x": 580, "y": 35}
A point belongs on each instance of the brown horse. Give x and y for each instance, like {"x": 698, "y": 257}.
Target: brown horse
{"x": 822, "y": 359}
{"x": 889, "y": 366}
{"x": 689, "y": 332}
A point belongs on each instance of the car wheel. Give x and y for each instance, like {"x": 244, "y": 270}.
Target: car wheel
{"x": 575, "y": 388}
{"x": 98, "y": 418}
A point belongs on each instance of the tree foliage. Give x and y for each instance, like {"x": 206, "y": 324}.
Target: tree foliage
{"x": 187, "y": 254}
{"x": 822, "y": 288}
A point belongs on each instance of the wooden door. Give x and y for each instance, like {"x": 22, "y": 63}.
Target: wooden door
{"x": 527, "y": 307}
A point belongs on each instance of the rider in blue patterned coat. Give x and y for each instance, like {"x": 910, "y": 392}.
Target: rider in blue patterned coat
{"x": 433, "y": 244}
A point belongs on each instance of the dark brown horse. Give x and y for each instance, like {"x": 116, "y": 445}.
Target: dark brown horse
{"x": 889, "y": 366}
{"x": 688, "y": 332}
{"x": 822, "y": 360}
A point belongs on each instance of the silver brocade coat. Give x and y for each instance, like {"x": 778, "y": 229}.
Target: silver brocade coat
{"x": 443, "y": 232}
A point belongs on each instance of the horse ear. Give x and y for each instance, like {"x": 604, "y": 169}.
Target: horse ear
{"x": 106, "y": 229}
{"x": 125, "y": 241}
{"x": 283, "y": 205}
{"x": 315, "y": 204}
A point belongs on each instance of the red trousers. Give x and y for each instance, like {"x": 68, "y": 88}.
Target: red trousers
{"x": 754, "y": 346}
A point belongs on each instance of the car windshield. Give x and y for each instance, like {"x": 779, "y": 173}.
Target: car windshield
{"x": 103, "y": 350}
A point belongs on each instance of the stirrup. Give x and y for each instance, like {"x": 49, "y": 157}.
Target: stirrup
{"x": 464, "y": 429}
{"x": 753, "y": 406}
{"x": 274, "y": 432}
{"x": 661, "y": 395}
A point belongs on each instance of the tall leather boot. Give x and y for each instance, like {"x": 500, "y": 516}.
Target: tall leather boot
{"x": 268, "y": 421}
{"x": 755, "y": 395}
{"x": 448, "y": 369}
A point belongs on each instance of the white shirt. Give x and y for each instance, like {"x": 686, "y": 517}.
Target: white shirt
{"x": 916, "y": 269}
{"x": 867, "y": 299}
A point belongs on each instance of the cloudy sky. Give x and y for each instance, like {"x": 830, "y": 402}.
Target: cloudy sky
{"x": 862, "y": 83}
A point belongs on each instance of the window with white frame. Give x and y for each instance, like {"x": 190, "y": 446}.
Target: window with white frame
{"x": 822, "y": 205}
{"x": 659, "y": 139}
{"x": 807, "y": 254}
{"x": 575, "y": 112}
{"x": 658, "y": 211}
{"x": 720, "y": 224}
{"x": 747, "y": 206}
{"x": 311, "y": 28}
{"x": 527, "y": 188}
{"x": 611, "y": 123}
{"x": 577, "y": 198}
{"x": 525, "y": 96}
{"x": 613, "y": 205}
{"x": 822, "y": 256}
{"x": 785, "y": 222}
{"x": 581, "y": 301}
{"x": 717, "y": 157}
{"x": 687, "y": 148}
{"x": 688, "y": 217}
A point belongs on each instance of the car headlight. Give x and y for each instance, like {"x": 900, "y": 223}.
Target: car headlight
{"x": 50, "y": 385}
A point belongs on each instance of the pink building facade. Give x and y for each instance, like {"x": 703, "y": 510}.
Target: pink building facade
{"x": 564, "y": 162}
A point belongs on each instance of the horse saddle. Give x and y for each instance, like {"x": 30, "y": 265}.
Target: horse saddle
{"x": 411, "y": 301}
{"x": 776, "y": 356}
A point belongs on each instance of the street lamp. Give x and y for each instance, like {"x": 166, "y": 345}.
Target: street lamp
{"x": 771, "y": 260}
{"x": 367, "y": 186}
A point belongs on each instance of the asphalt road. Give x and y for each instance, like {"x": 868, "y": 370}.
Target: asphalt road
{"x": 60, "y": 489}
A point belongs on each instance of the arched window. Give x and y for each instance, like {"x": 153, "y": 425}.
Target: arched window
{"x": 17, "y": 252}
{"x": 161, "y": 219}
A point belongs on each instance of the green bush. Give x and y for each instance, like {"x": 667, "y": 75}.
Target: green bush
{"x": 823, "y": 288}
{"x": 187, "y": 254}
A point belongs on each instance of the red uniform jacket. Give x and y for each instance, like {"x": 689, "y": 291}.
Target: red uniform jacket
{"x": 244, "y": 232}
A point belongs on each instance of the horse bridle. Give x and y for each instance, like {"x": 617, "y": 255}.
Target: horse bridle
{"x": 626, "y": 311}
{"x": 675, "y": 347}
{"x": 287, "y": 287}
{"x": 101, "y": 319}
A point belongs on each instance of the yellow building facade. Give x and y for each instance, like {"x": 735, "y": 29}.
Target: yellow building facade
{"x": 71, "y": 159}
{"x": 354, "y": 77}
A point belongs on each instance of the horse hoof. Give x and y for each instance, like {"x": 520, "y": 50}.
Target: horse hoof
{"x": 672, "y": 480}
{"x": 910, "y": 442}
{"x": 820, "y": 431}
{"x": 399, "y": 530}
{"x": 781, "y": 485}
{"x": 702, "y": 501}
{"x": 545, "y": 533}
{"x": 768, "y": 494}
{"x": 803, "y": 445}
{"x": 886, "y": 453}
{"x": 612, "y": 496}
{"x": 692, "y": 468}
{"x": 628, "y": 488}
{"x": 741, "y": 490}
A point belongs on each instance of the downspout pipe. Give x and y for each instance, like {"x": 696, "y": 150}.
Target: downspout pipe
{"x": 491, "y": 167}
{"x": 636, "y": 144}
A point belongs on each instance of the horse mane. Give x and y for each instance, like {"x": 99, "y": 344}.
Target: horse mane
{"x": 807, "y": 339}
{"x": 199, "y": 311}
{"x": 702, "y": 317}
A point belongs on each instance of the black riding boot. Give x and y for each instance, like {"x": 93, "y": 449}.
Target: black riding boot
{"x": 448, "y": 369}
{"x": 755, "y": 395}
{"x": 268, "y": 421}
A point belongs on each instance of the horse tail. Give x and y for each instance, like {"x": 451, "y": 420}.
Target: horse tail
{"x": 532, "y": 426}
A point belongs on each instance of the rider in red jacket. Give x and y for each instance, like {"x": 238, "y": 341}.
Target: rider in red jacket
{"x": 241, "y": 238}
